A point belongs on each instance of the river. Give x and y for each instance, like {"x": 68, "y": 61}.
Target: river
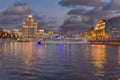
{"x": 29, "y": 61}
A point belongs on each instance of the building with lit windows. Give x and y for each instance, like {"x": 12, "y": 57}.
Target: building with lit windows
{"x": 1, "y": 31}
{"x": 92, "y": 34}
{"x": 100, "y": 30}
{"x": 16, "y": 31}
{"x": 29, "y": 27}
{"x": 50, "y": 34}
{"x": 113, "y": 29}
{"x": 105, "y": 30}
{"x": 41, "y": 33}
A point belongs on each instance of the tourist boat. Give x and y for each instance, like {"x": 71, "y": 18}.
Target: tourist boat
{"x": 39, "y": 42}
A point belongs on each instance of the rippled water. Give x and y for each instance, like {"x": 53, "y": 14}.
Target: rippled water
{"x": 28, "y": 61}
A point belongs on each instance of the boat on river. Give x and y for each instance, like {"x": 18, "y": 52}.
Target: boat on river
{"x": 39, "y": 42}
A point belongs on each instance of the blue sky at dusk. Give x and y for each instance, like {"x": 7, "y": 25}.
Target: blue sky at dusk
{"x": 60, "y": 15}
{"x": 49, "y": 8}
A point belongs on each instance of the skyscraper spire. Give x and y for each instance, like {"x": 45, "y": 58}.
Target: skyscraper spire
{"x": 30, "y": 14}
{"x": 29, "y": 26}
{"x": 30, "y": 11}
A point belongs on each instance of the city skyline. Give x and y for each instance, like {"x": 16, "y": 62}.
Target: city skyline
{"x": 59, "y": 15}
{"x": 59, "y": 40}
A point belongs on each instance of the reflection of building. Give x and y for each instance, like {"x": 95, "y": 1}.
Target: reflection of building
{"x": 27, "y": 55}
{"x": 29, "y": 27}
{"x": 98, "y": 55}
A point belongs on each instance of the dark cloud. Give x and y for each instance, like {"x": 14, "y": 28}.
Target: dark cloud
{"x": 113, "y": 5}
{"x": 83, "y": 19}
{"x": 18, "y": 8}
{"x": 100, "y": 9}
{"x": 81, "y": 3}
{"x": 49, "y": 25}
{"x": 74, "y": 24}
{"x": 15, "y": 14}
{"x": 97, "y": 12}
{"x": 73, "y": 28}
{"x": 77, "y": 11}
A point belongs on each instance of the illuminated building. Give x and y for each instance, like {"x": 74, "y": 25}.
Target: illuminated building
{"x": 92, "y": 34}
{"x": 105, "y": 30}
{"x": 41, "y": 33}
{"x": 1, "y": 31}
{"x": 100, "y": 30}
{"x": 99, "y": 33}
{"x": 50, "y": 34}
{"x": 29, "y": 27}
{"x": 16, "y": 31}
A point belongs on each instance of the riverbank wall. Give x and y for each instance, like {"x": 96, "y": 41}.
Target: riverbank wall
{"x": 114, "y": 43}
{"x": 64, "y": 42}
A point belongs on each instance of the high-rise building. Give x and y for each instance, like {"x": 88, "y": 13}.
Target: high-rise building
{"x": 29, "y": 27}
{"x": 100, "y": 30}
{"x": 113, "y": 29}
{"x": 105, "y": 30}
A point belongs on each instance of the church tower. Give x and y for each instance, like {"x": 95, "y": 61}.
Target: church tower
{"x": 29, "y": 27}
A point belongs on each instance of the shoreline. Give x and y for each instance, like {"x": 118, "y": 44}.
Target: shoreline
{"x": 64, "y": 42}
{"x": 112, "y": 43}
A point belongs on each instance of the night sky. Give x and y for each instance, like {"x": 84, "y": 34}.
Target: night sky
{"x": 59, "y": 15}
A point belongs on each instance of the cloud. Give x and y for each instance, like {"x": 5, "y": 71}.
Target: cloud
{"x": 17, "y": 13}
{"x": 81, "y": 18}
{"x": 114, "y": 5}
{"x": 17, "y": 9}
{"x": 90, "y": 11}
{"x": 77, "y": 11}
{"x": 14, "y": 14}
{"x": 50, "y": 25}
{"x": 81, "y": 3}
{"x": 73, "y": 24}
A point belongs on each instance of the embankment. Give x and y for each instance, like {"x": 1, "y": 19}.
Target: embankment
{"x": 114, "y": 43}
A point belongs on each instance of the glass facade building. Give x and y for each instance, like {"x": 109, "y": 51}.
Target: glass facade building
{"x": 113, "y": 28}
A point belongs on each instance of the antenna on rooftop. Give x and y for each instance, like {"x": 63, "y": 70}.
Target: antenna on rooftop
{"x": 30, "y": 11}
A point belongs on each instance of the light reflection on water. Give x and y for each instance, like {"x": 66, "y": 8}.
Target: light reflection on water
{"x": 28, "y": 61}
{"x": 99, "y": 59}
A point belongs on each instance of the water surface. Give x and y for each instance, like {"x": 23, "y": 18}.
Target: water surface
{"x": 28, "y": 61}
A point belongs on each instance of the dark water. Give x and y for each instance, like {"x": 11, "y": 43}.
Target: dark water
{"x": 27, "y": 61}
